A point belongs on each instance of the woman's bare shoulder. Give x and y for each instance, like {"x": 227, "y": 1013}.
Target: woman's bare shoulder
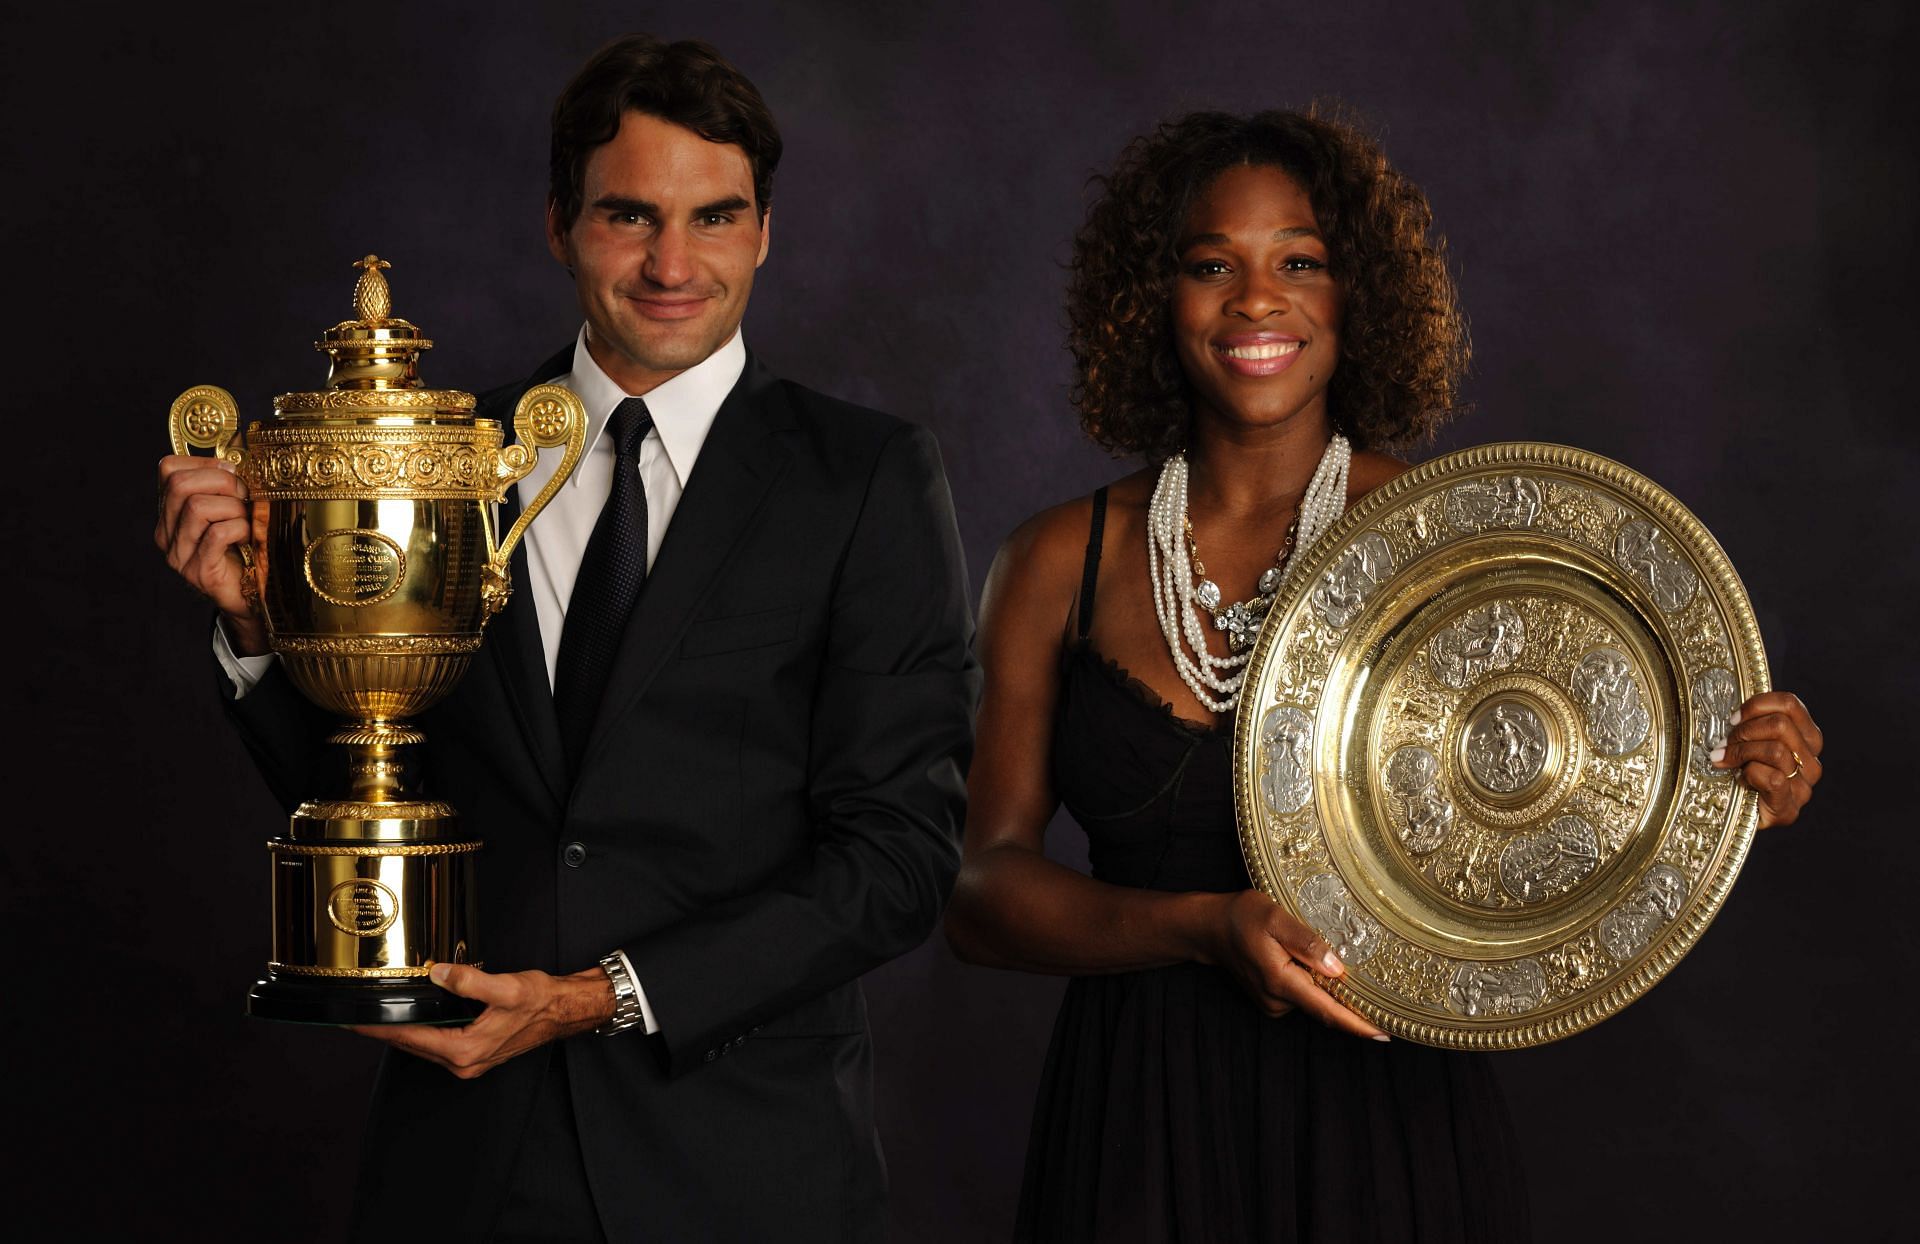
{"x": 1039, "y": 565}
{"x": 1370, "y": 469}
{"x": 1056, "y": 537}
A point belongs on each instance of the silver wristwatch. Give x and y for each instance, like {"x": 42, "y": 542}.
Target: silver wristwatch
{"x": 626, "y": 995}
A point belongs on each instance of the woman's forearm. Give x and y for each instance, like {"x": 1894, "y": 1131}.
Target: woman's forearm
{"x": 1014, "y": 908}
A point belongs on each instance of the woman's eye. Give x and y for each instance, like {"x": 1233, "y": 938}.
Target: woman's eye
{"x": 1303, "y": 263}
{"x": 1207, "y": 267}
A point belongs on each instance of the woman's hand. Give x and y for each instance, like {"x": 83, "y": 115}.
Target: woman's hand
{"x": 1272, "y": 956}
{"x": 1776, "y": 747}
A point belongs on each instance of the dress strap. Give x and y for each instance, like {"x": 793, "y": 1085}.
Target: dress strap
{"x": 1090, "y": 576}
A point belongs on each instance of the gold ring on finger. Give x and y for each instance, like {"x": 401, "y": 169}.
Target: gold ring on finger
{"x": 1798, "y": 764}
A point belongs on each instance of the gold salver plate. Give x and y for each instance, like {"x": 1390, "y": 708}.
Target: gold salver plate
{"x": 1472, "y": 747}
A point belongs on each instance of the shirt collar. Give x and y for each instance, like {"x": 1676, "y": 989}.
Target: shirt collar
{"x": 683, "y": 408}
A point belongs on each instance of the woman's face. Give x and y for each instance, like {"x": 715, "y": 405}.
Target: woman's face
{"x": 1256, "y": 312}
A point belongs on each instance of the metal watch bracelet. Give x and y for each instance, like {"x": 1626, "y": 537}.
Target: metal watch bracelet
{"x": 626, "y": 996}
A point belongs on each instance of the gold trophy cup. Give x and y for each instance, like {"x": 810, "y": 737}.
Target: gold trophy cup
{"x": 375, "y": 565}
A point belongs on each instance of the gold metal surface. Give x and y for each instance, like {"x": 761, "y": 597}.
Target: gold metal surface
{"x": 375, "y": 569}
{"x": 1471, "y": 750}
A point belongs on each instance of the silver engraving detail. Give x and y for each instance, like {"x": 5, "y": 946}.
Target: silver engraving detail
{"x": 1715, "y": 696}
{"x": 1427, "y": 814}
{"x": 1506, "y": 746}
{"x": 1509, "y": 501}
{"x": 1495, "y": 989}
{"x": 1345, "y": 588}
{"x": 1484, "y": 639}
{"x": 1427, "y": 818}
{"x": 1627, "y": 929}
{"x": 1538, "y": 866}
{"x": 1617, "y": 717}
{"x": 1286, "y": 738}
{"x": 1326, "y": 905}
{"x": 1643, "y": 551}
{"x": 1411, "y": 770}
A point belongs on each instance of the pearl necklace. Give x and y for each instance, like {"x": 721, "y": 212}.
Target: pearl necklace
{"x": 1170, "y": 566}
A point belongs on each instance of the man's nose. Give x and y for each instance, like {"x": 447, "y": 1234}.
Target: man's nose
{"x": 669, "y": 262}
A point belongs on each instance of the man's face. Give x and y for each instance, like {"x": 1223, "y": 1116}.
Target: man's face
{"x": 663, "y": 251}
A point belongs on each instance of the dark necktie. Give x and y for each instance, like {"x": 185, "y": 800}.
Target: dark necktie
{"x": 612, "y": 571}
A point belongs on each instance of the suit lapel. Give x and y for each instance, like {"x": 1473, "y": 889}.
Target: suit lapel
{"x": 744, "y": 453}
{"x": 514, "y": 641}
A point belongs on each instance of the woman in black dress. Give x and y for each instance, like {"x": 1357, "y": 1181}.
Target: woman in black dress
{"x": 1257, "y": 310}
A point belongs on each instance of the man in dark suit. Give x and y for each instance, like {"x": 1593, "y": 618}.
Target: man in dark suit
{"x": 714, "y": 744}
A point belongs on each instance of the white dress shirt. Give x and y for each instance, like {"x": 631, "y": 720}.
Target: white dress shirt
{"x": 683, "y": 410}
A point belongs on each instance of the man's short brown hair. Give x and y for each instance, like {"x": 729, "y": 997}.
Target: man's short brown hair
{"x": 687, "y": 83}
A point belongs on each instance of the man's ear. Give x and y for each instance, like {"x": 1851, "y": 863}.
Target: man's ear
{"x": 766, "y": 235}
{"x": 557, "y": 235}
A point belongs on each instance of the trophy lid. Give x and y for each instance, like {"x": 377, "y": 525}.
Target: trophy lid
{"x": 375, "y": 349}
{"x": 375, "y": 359}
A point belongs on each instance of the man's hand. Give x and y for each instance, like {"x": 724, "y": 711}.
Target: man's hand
{"x": 524, "y": 1010}
{"x": 1776, "y": 747}
{"x": 204, "y": 516}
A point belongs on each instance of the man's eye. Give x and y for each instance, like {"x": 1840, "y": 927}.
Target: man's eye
{"x": 716, "y": 218}
{"x": 628, "y": 218}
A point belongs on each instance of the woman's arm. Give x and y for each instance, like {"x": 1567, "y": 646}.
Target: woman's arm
{"x": 1014, "y": 908}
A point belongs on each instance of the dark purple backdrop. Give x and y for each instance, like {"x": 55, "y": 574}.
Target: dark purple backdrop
{"x": 1684, "y": 234}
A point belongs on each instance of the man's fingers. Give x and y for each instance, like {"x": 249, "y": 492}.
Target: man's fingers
{"x": 466, "y": 981}
{"x": 209, "y": 527}
{"x": 458, "y": 1050}
{"x": 414, "y": 1039}
{"x": 180, "y": 495}
{"x": 208, "y": 554}
{"x": 173, "y": 464}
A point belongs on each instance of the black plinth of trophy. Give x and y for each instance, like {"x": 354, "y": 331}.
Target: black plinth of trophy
{"x": 416, "y": 1001}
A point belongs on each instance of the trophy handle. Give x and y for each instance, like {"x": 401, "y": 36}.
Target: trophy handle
{"x": 205, "y": 417}
{"x": 548, "y": 415}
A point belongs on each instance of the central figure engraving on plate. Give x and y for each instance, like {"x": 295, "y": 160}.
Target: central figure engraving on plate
{"x": 1506, "y": 747}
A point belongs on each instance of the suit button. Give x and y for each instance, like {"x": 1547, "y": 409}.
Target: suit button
{"x": 712, "y": 1054}
{"x": 575, "y": 854}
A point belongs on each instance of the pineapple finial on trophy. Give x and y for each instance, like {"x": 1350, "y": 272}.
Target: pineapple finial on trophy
{"x": 376, "y": 349}
{"x": 372, "y": 301}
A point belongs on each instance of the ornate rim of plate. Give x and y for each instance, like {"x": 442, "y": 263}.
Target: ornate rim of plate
{"x": 1472, "y": 745}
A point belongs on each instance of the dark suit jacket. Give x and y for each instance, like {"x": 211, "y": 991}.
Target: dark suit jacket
{"x": 770, "y": 805}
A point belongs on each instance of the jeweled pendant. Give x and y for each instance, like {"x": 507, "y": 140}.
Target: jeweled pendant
{"x": 1269, "y": 580}
{"x": 1208, "y": 594}
{"x": 1235, "y": 621}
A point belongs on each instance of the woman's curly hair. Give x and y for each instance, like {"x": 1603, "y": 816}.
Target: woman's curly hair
{"x": 1403, "y": 341}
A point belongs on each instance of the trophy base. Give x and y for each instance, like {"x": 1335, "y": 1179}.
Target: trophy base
{"x": 417, "y": 1001}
